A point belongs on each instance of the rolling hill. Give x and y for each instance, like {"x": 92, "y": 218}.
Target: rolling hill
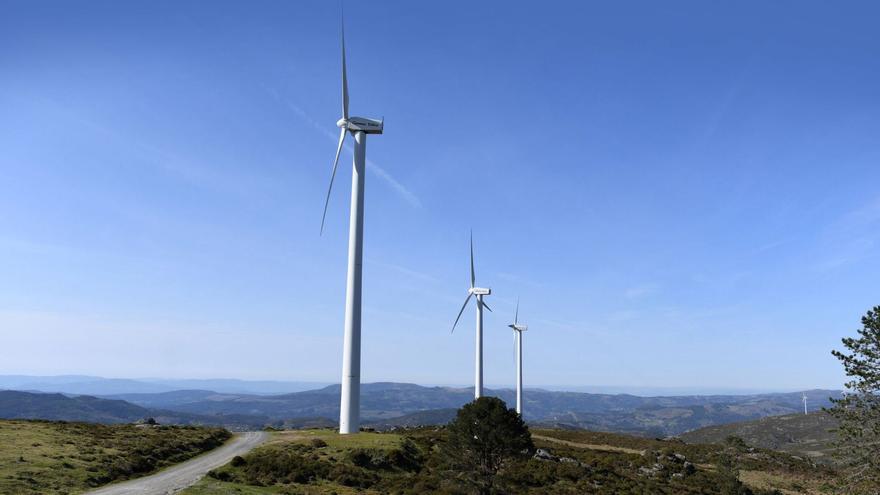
{"x": 26, "y": 405}
{"x": 809, "y": 435}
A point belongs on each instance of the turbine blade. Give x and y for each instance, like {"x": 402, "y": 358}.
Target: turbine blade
{"x": 342, "y": 132}
{"x": 468, "y": 298}
{"x": 516, "y": 315}
{"x": 344, "y": 77}
{"x": 485, "y": 305}
{"x": 473, "y": 276}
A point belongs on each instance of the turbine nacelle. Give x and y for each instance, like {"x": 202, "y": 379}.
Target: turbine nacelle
{"x": 479, "y": 291}
{"x": 361, "y": 124}
{"x": 519, "y": 328}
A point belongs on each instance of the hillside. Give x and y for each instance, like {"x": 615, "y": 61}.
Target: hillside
{"x": 24, "y": 405}
{"x": 409, "y": 462}
{"x": 810, "y": 435}
{"x": 47, "y": 458}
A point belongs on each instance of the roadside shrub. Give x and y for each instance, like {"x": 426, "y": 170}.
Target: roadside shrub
{"x": 360, "y": 457}
{"x": 407, "y": 457}
{"x": 221, "y": 475}
{"x": 281, "y": 466}
{"x": 353, "y": 476}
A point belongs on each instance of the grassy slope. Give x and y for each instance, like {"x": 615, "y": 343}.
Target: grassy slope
{"x": 45, "y": 458}
{"x": 810, "y": 435}
{"x": 610, "y": 463}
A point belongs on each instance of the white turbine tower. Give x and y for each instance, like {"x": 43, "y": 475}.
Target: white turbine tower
{"x": 517, "y": 333}
{"x": 349, "y": 411}
{"x": 479, "y": 292}
{"x": 804, "y": 397}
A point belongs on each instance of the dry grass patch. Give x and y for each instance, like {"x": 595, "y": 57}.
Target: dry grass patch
{"x": 59, "y": 458}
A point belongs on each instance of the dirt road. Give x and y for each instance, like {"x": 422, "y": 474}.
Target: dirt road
{"x": 176, "y": 478}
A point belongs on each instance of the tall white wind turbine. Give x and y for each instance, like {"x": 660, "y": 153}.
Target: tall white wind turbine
{"x": 479, "y": 292}
{"x": 359, "y": 127}
{"x": 517, "y": 332}
{"x": 805, "y": 403}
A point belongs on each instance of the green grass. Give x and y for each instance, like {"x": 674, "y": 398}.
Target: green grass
{"x": 367, "y": 440}
{"x": 56, "y": 458}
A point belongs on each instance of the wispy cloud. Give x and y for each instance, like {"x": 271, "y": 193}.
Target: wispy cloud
{"x": 768, "y": 246}
{"x": 726, "y": 101}
{"x": 406, "y": 271}
{"x": 852, "y": 238}
{"x": 411, "y": 198}
{"x": 866, "y": 214}
{"x": 640, "y": 291}
{"x": 141, "y": 150}
{"x": 372, "y": 166}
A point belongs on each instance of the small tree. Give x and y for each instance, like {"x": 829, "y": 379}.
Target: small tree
{"x": 728, "y": 474}
{"x": 859, "y": 411}
{"x": 484, "y": 435}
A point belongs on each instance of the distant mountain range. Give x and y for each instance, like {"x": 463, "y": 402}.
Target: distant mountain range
{"x": 96, "y": 385}
{"x": 381, "y": 402}
{"x": 385, "y": 405}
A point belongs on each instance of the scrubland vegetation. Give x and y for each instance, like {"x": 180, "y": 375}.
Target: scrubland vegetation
{"x": 418, "y": 461}
{"x": 46, "y": 458}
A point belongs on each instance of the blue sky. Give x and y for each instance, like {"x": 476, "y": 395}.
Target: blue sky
{"x": 682, "y": 194}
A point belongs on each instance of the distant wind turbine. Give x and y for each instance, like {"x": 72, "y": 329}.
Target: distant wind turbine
{"x": 517, "y": 332}
{"x": 479, "y": 292}
{"x": 805, "y": 403}
{"x": 349, "y": 410}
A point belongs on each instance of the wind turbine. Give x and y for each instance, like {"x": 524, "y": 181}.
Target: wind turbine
{"x": 804, "y": 397}
{"x": 359, "y": 127}
{"x": 517, "y": 332}
{"x": 479, "y": 292}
